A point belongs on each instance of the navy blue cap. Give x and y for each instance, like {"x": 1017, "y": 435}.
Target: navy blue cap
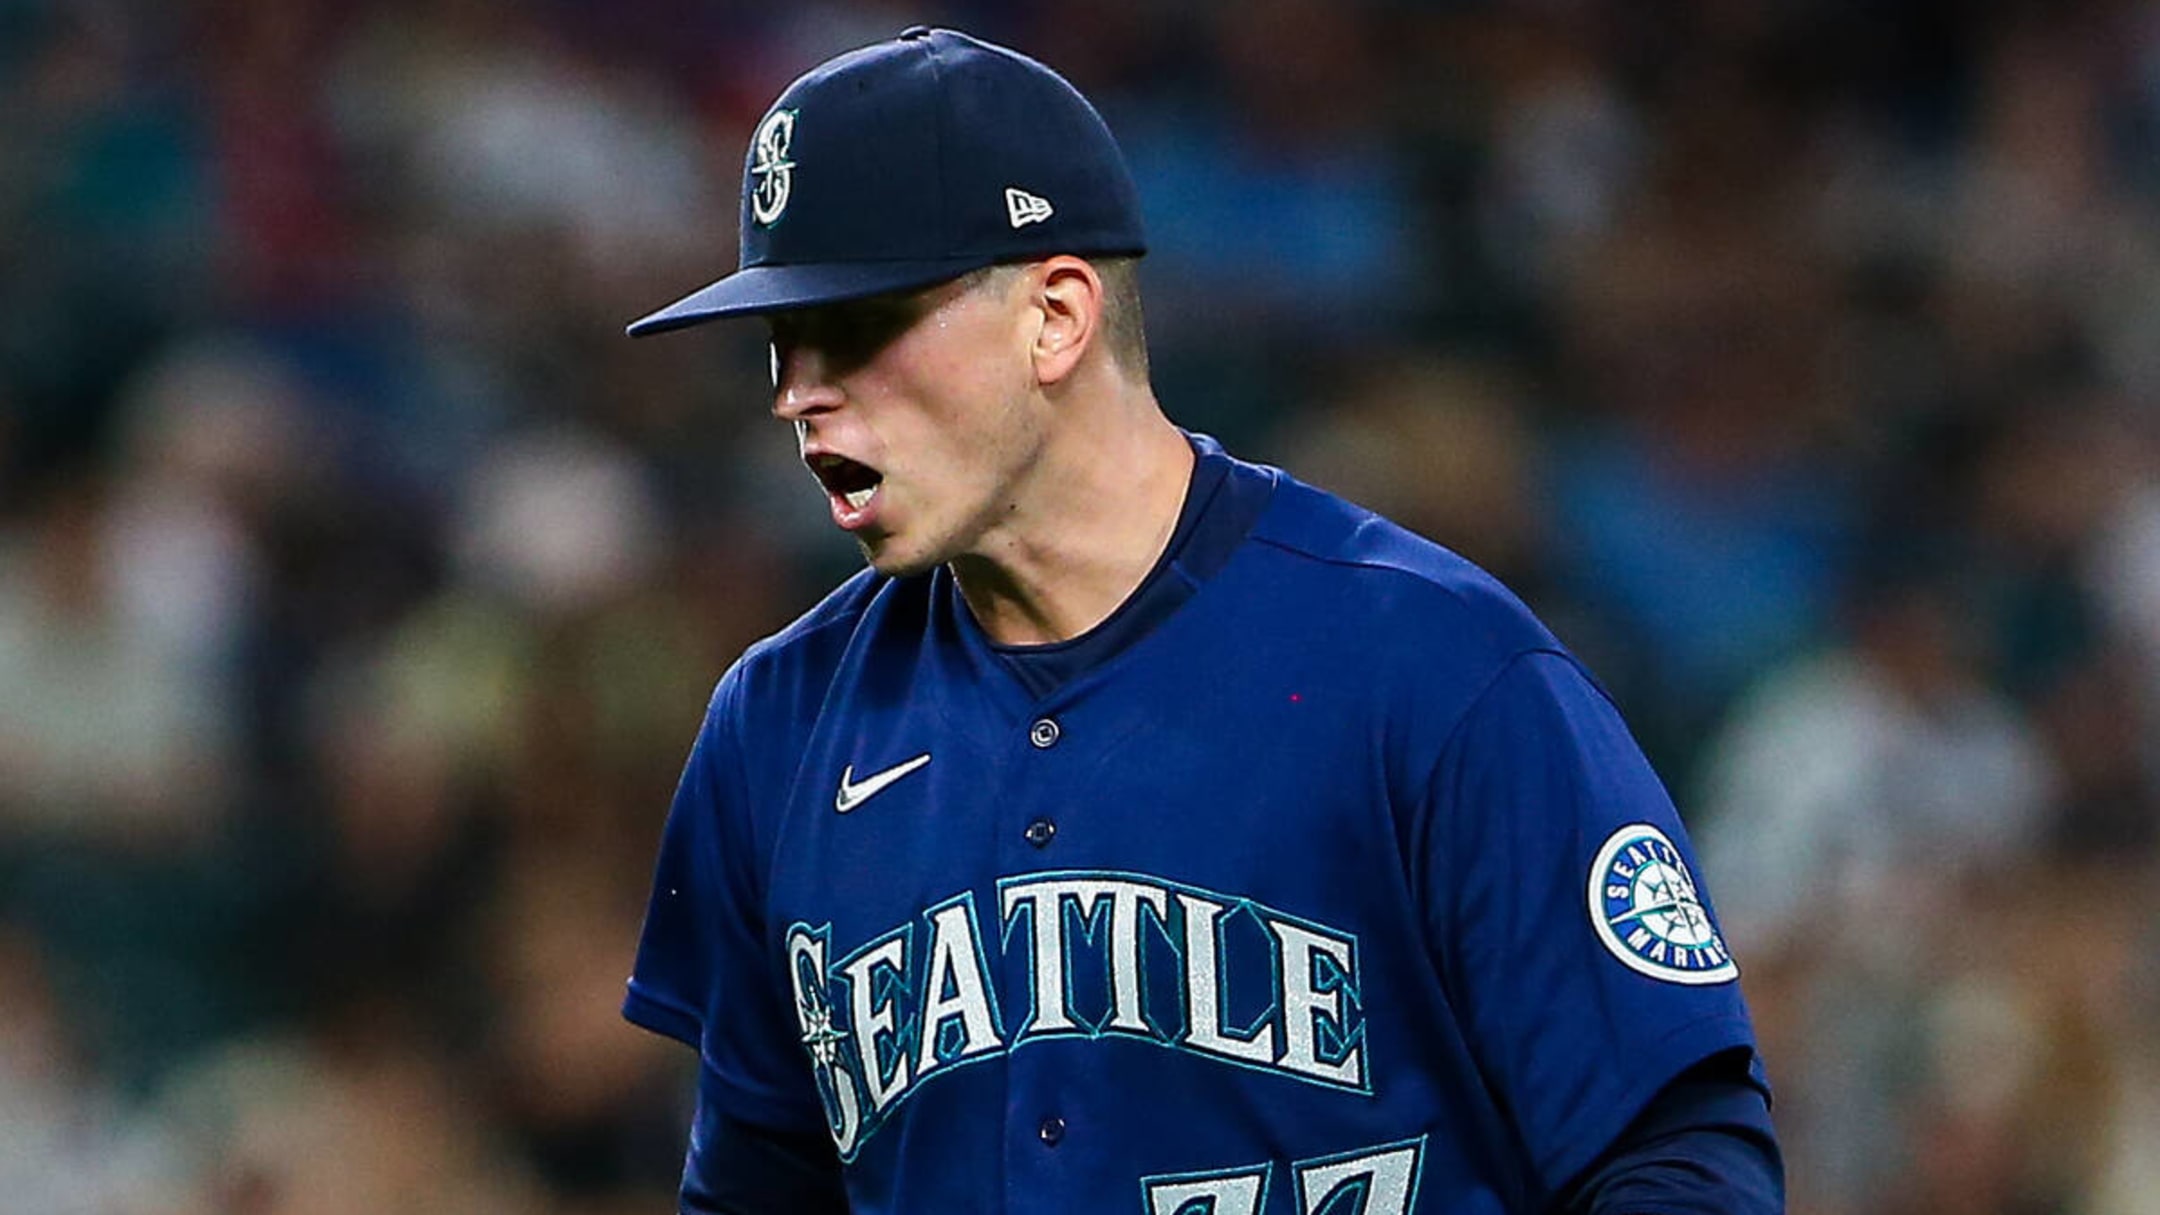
{"x": 910, "y": 162}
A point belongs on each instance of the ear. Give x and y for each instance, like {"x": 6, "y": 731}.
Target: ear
{"x": 1069, "y": 300}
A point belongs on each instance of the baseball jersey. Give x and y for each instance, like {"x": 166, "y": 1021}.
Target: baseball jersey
{"x": 1342, "y": 887}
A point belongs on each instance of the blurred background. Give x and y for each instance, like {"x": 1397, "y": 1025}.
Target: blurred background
{"x": 361, "y": 586}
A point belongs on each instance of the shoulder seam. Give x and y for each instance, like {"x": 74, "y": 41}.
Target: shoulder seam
{"x": 1429, "y": 793}
{"x": 797, "y": 632}
{"x": 1386, "y": 567}
{"x": 1500, "y": 670}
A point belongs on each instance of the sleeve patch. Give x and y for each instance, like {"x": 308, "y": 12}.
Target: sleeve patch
{"x": 1644, "y": 906}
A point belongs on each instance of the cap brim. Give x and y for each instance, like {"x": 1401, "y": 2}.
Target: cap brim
{"x": 761, "y": 289}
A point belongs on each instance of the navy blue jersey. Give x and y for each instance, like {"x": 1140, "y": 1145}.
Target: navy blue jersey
{"x": 1344, "y": 888}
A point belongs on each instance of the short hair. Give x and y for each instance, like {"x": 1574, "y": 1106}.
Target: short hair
{"x": 1122, "y": 319}
{"x": 1124, "y": 328}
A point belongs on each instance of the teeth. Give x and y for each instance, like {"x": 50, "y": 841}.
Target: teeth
{"x": 861, "y": 497}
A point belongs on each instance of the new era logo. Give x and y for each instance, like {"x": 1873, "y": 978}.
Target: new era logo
{"x": 1025, "y": 208}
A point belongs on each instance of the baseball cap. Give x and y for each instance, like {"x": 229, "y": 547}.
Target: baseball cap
{"x": 910, "y": 162}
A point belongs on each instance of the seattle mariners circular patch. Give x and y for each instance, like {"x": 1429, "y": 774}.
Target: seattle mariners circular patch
{"x": 1644, "y": 906}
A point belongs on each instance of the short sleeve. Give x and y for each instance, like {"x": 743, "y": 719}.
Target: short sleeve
{"x": 703, "y": 975}
{"x": 1567, "y": 915}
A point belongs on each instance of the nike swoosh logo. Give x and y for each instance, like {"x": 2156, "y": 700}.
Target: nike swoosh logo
{"x": 853, "y": 793}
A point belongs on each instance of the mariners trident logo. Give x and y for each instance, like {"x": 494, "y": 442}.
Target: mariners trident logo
{"x": 772, "y": 171}
{"x": 1644, "y": 906}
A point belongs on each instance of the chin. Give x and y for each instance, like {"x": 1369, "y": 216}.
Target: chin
{"x": 893, "y": 561}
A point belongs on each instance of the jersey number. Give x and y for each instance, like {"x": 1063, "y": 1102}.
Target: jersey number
{"x": 1375, "y": 1181}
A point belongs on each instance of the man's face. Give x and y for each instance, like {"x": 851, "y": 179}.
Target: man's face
{"x": 916, "y": 413}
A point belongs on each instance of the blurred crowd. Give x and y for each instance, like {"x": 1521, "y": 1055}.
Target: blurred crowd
{"x": 361, "y": 586}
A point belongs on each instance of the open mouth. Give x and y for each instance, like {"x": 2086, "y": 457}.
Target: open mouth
{"x": 847, "y": 480}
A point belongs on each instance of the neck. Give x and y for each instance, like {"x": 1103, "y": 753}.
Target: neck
{"x": 1100, "y": 510}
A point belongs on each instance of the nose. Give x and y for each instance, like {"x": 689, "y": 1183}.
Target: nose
{"x": 802, "y": 386}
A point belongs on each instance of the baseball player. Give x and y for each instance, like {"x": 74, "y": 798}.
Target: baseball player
{"x": 1143, "y": 831}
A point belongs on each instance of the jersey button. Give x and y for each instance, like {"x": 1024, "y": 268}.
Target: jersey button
{"x": 1052, "y": 1131}
{"x": 1044, "y": 733}
{"x": 1041, "y": 832}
